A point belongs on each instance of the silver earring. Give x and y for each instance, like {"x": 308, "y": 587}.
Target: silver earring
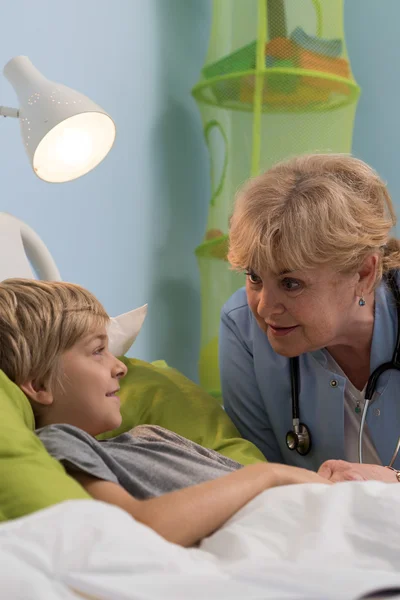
{"x": 361, "y": 301}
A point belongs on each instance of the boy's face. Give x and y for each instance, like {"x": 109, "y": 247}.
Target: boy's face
{"x": 87, "y": 393}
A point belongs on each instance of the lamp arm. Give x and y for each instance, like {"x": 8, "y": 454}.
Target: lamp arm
{"x": 6, "y": 111}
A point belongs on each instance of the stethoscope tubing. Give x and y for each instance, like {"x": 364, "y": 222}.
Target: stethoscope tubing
{"x": 370, "y": 389}
{"x": 361, "y": 431}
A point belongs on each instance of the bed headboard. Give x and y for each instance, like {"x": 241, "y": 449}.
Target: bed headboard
{"x": 23, "y": 253}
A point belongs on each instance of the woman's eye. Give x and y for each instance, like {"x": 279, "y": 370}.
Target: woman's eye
{"x": 290, "y": 285}
{"x": 253, "y": 278}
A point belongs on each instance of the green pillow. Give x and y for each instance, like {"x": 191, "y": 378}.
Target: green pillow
{"x": 159, "y": 395}
{"x": 30, "y": 479}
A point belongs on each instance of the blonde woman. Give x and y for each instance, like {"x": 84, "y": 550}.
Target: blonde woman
{"x": 313, "y": 236}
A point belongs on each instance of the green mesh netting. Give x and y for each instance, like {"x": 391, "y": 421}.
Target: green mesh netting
{"x": 277, "y": 82}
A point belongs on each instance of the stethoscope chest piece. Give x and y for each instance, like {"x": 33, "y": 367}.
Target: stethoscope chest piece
{"x": 299, "y": 439}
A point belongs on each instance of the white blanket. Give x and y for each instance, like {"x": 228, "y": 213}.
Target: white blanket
{"x": 308, "y": 541}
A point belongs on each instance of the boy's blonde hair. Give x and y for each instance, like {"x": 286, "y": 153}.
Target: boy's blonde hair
{"x": 311, "y": 210}
{"x": 39, "y": 320}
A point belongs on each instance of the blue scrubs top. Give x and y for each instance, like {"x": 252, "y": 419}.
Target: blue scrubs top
{"x": 257, "y": 393}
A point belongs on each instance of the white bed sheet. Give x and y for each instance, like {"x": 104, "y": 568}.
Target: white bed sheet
{"x": 309, "y": 541}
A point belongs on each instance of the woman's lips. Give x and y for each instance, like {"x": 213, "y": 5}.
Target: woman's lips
{"x": 280, "y": 331}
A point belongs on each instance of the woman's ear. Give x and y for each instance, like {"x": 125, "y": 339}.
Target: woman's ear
{"x": 367, "y": 275}
{"x": 37, "y": 392}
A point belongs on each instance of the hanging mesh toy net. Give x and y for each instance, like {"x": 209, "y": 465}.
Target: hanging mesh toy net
{"x": 277, "y": 82}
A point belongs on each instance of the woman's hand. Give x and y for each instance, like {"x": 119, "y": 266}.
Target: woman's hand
{"x": 341, "y": 470}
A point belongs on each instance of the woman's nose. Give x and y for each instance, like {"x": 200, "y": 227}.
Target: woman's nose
{"x": 268, "y": 304}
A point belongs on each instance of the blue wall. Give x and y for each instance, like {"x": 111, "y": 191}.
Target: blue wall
{"x": 127, "y": 230}
{"x": 372, "y": 30}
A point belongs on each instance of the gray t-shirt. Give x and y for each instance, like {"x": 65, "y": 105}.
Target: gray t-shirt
{"x": 147, "y": 461}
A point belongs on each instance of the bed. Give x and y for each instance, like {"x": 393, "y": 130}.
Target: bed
{"x": 305, "y": 542}
{"x": 309, "y": 542}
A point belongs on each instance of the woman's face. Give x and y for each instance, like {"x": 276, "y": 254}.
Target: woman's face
{"x": 302, "y": 311}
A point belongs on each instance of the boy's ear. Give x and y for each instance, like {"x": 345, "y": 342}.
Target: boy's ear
{"x": 37, "y": 393}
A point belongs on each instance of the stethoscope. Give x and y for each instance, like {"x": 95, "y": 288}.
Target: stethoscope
{"x": 299, "y": 438}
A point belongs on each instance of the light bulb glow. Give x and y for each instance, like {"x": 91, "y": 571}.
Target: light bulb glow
{"x": 74, "y": 147}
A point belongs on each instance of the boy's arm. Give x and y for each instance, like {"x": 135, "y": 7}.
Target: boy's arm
{"x": 186, "y": 516}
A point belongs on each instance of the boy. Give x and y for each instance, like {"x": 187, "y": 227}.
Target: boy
{"x": 54, "y": 347}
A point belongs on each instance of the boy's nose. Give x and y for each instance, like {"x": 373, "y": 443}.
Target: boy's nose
{"x": 120, "y": 369}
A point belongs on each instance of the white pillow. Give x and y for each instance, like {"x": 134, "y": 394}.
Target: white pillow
{"x": 123, "y": 330}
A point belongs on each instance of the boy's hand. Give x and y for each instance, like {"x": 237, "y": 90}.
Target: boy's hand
{"x": 286, "y": 475}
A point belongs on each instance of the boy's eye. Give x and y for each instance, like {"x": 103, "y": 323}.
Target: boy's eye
{"x": 99, "y": 350}
{"x": 253, "y": 278}
{"x": 290, "y": 285}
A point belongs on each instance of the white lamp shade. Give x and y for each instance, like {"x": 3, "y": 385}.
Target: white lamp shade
{"x": 65, "y": 134}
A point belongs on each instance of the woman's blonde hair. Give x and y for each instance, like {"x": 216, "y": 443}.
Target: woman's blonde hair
{"x": 39, "y": 320}
{"x": 312, "y": 210}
